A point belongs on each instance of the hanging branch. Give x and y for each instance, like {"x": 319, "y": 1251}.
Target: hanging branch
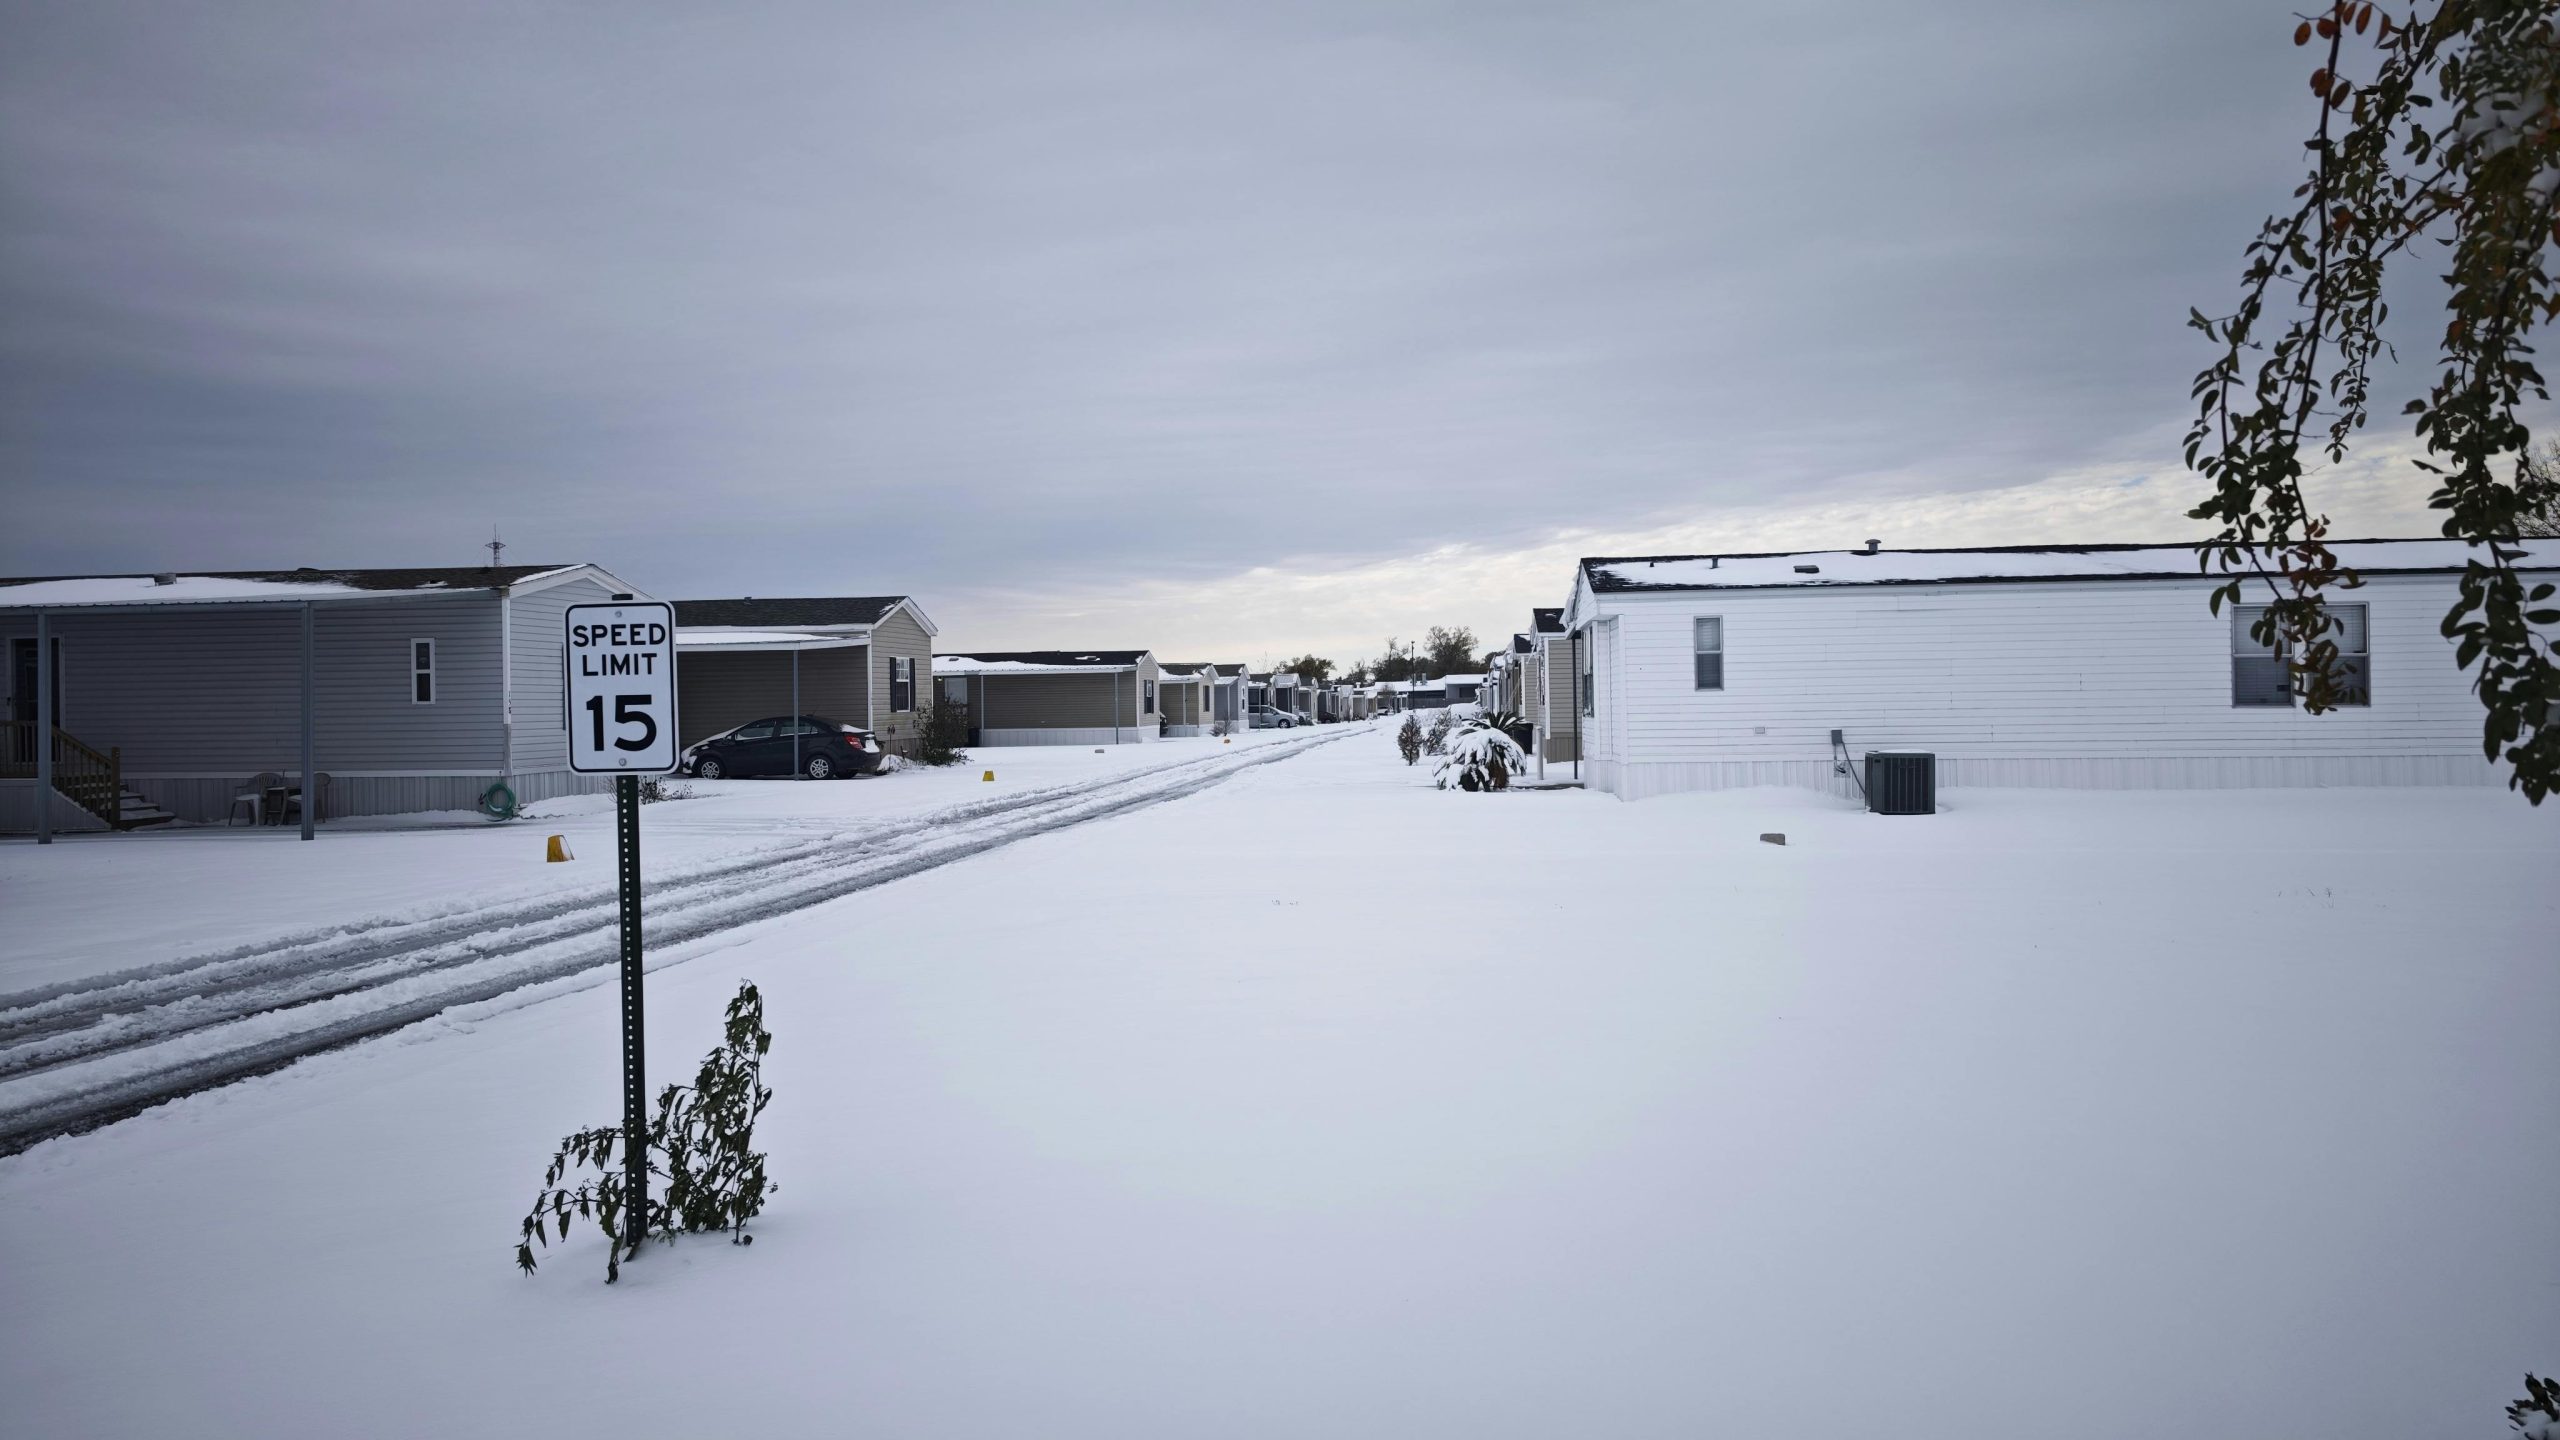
{"x": 2454, "y": 140}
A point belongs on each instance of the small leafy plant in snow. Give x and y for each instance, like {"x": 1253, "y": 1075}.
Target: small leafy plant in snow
{"x": 1409, "y": 738}
{"x": 707, "y": 1175}
{"x": 1437, "y": 742}
{"x": 2537, "y": 1415}
{"x": 1480, "y": 757}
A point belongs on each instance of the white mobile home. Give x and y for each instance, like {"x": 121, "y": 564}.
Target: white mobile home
{"x": 1054, "y": 697}
{"x": 2091, "y": 666}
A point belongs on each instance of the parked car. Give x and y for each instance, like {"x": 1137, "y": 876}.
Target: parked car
{"x": 1268, "y": 717}
{"x": 824, "y": 749}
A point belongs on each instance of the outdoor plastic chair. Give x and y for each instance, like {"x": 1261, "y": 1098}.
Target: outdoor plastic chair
{"x": 254, "y": 796}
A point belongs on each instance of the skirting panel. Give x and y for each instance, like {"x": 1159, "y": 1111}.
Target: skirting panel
{"x": 2064, "y": 772}
{"x": 18, "y": 811}
{"x": 1099, "y": 735}
{"x": 1185, "y": 732}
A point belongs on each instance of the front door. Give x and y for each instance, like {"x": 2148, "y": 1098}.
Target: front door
{"x": 955, "y": 691}
{"x": 22, "y": 697}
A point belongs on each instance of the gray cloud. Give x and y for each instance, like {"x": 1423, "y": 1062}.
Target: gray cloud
{"x": 978, "y": 301}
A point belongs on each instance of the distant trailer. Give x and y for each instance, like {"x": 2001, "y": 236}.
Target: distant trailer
{"x": 1055, "y": 697}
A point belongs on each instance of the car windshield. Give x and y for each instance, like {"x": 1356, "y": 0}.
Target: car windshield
{"x": 761, "y": 730}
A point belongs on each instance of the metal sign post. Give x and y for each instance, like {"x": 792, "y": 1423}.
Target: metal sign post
{"x": 622, "y": 722}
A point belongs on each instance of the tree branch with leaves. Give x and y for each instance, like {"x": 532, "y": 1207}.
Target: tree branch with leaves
{"x": 2453, "y": 141}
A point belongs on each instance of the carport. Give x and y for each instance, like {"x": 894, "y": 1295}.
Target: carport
{"x": 726, "y": 678}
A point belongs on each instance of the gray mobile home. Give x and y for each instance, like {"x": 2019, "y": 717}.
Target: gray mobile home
{"x": 863, "y": 660}
{"x": 1054, "y": 697}
{"x": 427, "y": 687}
{"x": 1187, "y": 698}
{"x": 1549, "y": 702}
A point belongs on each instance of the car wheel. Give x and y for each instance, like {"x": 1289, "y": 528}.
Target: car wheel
{"x": 821, "y": 767}
{"x": 707, "y": 767}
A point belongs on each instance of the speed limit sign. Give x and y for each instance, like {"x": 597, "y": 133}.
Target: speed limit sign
{"x": 622, "y": 687}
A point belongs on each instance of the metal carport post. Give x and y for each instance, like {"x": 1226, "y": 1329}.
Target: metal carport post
{"x": 44, "y": 730}
{"x": 310, "y": 780}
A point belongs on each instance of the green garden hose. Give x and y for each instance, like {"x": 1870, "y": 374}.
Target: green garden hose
{"x": 498, "y": 802}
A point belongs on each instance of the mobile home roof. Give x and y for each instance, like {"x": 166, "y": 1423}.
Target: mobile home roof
{"x": 1824, "y": 568}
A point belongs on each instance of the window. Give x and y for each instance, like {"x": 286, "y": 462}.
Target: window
{"x": 761, "y": 730}
{"x": 1582, "y": 658}
{"x": 1150, "y": 706}
{"x": 2260, "y": 675}
{"x": 1707, "y": 643}
{"x": 955, "y": 689}
{"x": 902, "y": 683}
{"x": 422, "y": 672}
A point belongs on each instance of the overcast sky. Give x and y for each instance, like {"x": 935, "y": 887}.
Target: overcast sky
{"x": 1224, "y": 331}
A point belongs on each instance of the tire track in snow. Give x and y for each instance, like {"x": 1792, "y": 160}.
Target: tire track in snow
{"x": 78, "y": 1056}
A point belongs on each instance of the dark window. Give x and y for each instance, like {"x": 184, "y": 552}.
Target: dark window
{"x": 1707, "y": 641}
{"x": 803, "y": 726}
{"x": 2260, "y": 675}
{"x": 1150, "y": 699}
{"x": 761, "y": 730}
{"x": 422, "y": 671}
{"x": 902, "y": 683}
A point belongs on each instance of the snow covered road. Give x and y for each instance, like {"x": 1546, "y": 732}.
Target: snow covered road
{"x": 78, "y": 1054}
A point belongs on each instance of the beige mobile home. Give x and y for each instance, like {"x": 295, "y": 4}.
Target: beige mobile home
{"x": 861, "y": 660}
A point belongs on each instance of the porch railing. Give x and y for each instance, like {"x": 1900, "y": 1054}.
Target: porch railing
{"x": 92, "y": 778}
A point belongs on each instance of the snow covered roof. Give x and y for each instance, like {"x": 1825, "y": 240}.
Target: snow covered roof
{"x": 1447, "y": 680}
{"x": 1814, "y": 568}
{"x": 248, "y": 587}
{"x": 724, "y": 639}
{"x": 1036, "y": 662}
{"x": 797, "y": 612}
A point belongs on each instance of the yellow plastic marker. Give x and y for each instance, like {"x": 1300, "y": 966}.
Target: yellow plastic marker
{"x": 559, "y": 851}
{"x": 990, "y": 775}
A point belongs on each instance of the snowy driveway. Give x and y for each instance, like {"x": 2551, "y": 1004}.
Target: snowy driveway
{"x": 1318, "y": 1103}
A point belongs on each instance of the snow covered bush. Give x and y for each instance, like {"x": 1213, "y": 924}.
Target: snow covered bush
{"x": 1409, "y": 738}
{"x": 1480, "y": 757}
{"x": 1437, "y": 742}
{"x": 654, "y": 789}
{"x": 700, "y": 1148}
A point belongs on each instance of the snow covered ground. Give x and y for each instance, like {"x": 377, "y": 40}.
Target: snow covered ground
{"x": 1324, "y": 1103}
{"x": 73, "y": 911}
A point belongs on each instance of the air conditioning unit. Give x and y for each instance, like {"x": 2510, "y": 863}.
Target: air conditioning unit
{"x": 1902, "y": 782}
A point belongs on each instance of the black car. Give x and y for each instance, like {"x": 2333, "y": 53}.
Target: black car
{"x": 810, "y": 745}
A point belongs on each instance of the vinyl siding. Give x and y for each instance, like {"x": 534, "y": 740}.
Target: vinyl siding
{"x": 897, "y": 636}
{"x": 219, "y": 690}
{"x": 538, "y": 728}
{"x": 1082, "y": 703}
{"x": 2090, "y": 683}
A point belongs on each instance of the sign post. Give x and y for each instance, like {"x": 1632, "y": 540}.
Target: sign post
{"x": 622, "y": 722}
